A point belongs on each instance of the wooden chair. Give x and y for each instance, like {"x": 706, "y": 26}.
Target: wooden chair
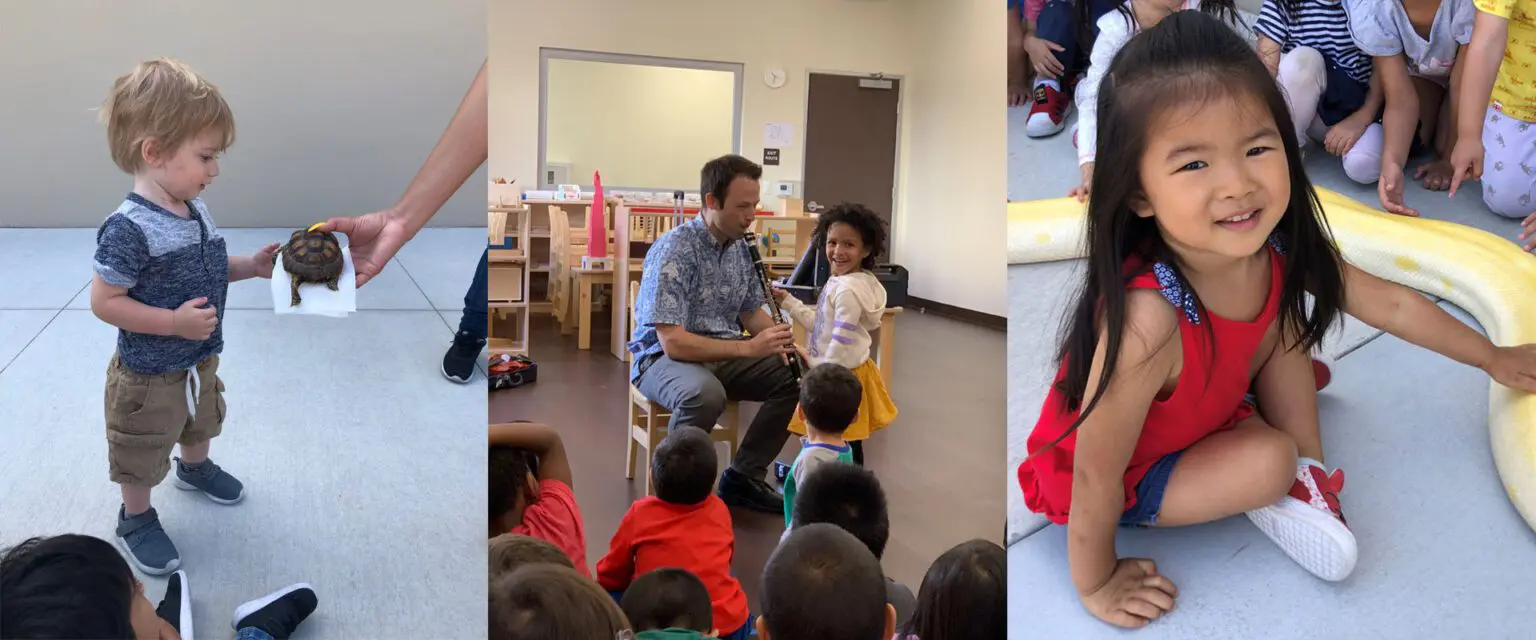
{"x": 648, "y": 420}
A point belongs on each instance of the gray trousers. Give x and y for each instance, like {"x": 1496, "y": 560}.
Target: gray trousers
{"x": 696, "y": 393}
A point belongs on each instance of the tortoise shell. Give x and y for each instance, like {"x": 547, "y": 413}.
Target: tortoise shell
{"x": 315, "y": 254}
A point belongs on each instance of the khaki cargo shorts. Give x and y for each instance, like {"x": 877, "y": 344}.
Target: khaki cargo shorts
{"x": 146, "y": 415}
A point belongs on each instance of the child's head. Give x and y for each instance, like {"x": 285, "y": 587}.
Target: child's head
{"x": 829, "y": 398}
{"x": 512, "y": 487}
{"x": 71, "y": 586}
{"x": 668, "y": 599}
{"x": 963, "y": 595}
{"x": 167, "y": 124}
{"x": 509, "y": 551}
{"x": 1197, "y": 164}
{"x": 823, "y": 583}
{"x": 847, "y": 496}
{"x": 541, "y": 601}
{"x": 854, "y": 235}
{"x": 683, "y": 467}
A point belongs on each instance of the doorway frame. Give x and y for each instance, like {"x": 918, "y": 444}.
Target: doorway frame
{"x": 737, "y": 69}
{"x": 898, "y": 209}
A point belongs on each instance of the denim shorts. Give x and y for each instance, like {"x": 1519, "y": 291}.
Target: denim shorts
{"x": 1149, "y": 493}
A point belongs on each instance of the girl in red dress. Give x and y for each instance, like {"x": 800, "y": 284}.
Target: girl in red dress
{"x": 1204, "y": 240}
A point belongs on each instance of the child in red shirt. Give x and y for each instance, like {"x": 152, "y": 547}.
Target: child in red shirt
{"x": 540, "y": 505}
{"x": 684, "y": 526}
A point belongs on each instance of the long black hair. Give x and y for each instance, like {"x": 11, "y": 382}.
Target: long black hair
{"x": 1188, "y": 57}
{"x": 963, "y": 595}
{"x": 1223, "y": 10}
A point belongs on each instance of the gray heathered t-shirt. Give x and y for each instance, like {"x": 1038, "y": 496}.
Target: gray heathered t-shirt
{"x": 164, "y": 260}
{"x": 1381, "y": 28}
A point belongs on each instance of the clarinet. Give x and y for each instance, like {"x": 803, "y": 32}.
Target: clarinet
{"x": 750, "y": 239}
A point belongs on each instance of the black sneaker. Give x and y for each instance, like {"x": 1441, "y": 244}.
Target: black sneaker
{"x": 752, "y": 493}
{"x": 279, "y": 613}
{"x": 780, "y": 472}
{"x": 460, "y": 360}
{"x": 176, "y": 607}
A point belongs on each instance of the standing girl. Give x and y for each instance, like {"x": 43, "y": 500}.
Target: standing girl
{"x": 1114, "y": 30}
{"x": 1415, "y": 45}
{"x": 1500, "y": 108}
{"x": 1333, "y": 96}
{"x": 1201, "y": 256}
{"x": 851, "y": 305}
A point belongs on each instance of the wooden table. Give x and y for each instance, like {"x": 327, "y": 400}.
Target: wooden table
{"x": 587, "y": 280}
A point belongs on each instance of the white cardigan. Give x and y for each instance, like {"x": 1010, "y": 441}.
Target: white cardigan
{"x": 850, "y": 307}
{"x": 1115, "y": 29}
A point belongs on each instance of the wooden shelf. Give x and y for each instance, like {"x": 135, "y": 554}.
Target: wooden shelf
{"x": 514, "y": 224}
{"x": 506, "y": 346}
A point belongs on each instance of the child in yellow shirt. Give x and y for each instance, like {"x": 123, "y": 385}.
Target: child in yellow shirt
{"x": 1498, "y": 144}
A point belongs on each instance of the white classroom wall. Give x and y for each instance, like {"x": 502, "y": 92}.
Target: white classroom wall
{"x": 950, "y": 205}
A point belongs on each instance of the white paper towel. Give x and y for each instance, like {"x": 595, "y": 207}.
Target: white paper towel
{"x": 316, "y": 299}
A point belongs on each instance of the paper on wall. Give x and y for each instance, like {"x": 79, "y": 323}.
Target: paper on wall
{"x": 778, "y": 135}
{"x": 316, "y": 299}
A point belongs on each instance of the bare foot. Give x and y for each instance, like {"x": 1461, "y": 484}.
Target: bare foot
{"x": 1436, "y": 175}
{"x": 1018, "y": 95}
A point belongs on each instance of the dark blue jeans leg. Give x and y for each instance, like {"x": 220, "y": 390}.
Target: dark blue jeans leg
{"x": 474, "y": 320}
{"x": 1057, "y": 24}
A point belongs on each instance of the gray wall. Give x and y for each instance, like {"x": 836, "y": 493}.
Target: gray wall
{"x": 336, "y": 102}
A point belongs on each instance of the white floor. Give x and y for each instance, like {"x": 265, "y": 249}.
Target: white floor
{"x": 364, "y": 468}
{"x": 1443, "y": 554}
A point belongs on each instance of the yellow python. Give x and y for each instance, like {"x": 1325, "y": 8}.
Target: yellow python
{"x": 1489, "y": 277}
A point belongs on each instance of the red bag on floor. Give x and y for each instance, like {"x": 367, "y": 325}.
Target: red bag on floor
{"x": 508, "y": 371}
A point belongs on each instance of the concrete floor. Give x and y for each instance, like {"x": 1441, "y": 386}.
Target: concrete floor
{"x": 363, "y": 466}
{"x": 934, "y": 463}
{"x": 1442, "y": 552}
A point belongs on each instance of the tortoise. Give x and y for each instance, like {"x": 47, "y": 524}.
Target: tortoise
{"x": 312, "y": 257}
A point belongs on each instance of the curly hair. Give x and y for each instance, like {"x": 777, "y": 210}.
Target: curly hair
{"x": 864, "y": 220}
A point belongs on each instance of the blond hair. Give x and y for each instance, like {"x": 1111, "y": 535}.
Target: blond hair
{"x": 166, "y": 101}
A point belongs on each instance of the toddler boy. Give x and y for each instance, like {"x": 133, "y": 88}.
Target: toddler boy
{"x": 161, "y": 274}
{"x": 684, "y": 526}
{"x": 542, "y": 504}
{"x": 668, "y": 604}
{"x": 829, "y": 401}
{"x": 822, "y": 583}
{"x": 851, "y": 498}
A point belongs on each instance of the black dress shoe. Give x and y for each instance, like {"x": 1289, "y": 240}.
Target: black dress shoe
{"x": 738, "y": 490}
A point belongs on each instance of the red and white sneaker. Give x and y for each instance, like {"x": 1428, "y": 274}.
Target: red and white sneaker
{"x": 1048, "y": 116}
{"x": 1308, "y": 525}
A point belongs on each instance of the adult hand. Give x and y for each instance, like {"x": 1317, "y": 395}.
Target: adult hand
{"x": 1436, "y": 175}
{"x": 264, "y": 259}
{"x": 1084, "y": 188}
{"x": 373, "y": 239}
{"x": 1390, "y": 190}
{"x": 1134, "y": 595}
{"x": 1042, "y": 56}
{"x": 1515, "y": 367}
{"x": 194, "y": 322}
{"x": 1466, "y": 161}
{"x": 778, "y": 340}
{"x": 1528, "y": 232}
{"x": 1342, "y": 137}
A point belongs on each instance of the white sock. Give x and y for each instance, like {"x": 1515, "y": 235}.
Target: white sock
{"x": 1047, "y": 82}
{"x": 1305, "y": 461}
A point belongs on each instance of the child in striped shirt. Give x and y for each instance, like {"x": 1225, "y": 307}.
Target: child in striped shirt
{"x": 1328, "y": 84}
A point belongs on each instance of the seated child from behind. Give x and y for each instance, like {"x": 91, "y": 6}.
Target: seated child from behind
{"x": 668, "y": 604}
{"x": 510, "y": 551}
{"x": 541, "y": 505}
{"x": 685, "y": 525}
{"x": 72, "y": 586}
{"x": 829, "y": 401}
{"x": 964, "y": 595}
{"x": 547, "y": 601}
{"x": 823, "y": 583}
{"x": 851, "y": 498}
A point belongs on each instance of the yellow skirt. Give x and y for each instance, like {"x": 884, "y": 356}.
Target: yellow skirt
{"x": 875, "y": 412}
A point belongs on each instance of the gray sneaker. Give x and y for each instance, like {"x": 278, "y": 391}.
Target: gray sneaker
{"x": 213, "y": 481}
{"x": 146, "y": 544}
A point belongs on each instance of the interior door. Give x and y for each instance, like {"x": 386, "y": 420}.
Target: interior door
{"x": 850, "y": 142}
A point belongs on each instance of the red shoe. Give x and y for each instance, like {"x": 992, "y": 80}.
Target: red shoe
{"x": 1308, "y": 524}
{"x": 1322, "y": 373}
{"x": 1048, "y": 116}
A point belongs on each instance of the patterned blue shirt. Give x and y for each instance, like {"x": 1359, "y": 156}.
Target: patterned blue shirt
{"x": 164, "y": 260}
{"x": 690, "y": 280}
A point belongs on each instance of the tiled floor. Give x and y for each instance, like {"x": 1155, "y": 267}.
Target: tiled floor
{"x": 363, "y": 466}
{"x": 1443, "y": 553}
{"x": 938, "y": 463}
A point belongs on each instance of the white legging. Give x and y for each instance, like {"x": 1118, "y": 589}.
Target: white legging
{"x": 1303, "y": 76}
{"x": 1509, "y": 164}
